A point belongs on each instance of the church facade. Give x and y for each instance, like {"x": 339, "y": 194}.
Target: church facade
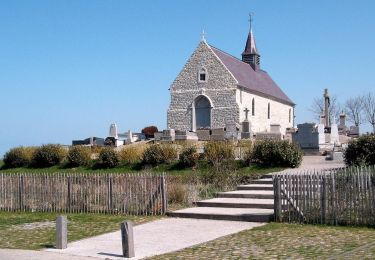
{"x": 217, "y": 90}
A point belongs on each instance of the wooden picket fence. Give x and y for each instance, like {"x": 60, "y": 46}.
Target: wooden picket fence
{"x": 343, "y": 196}
{"x": 133, "y": 194}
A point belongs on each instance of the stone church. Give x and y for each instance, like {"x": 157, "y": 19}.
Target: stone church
{"x": 218, "y": 90}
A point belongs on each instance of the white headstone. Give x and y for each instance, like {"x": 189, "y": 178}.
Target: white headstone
{"x": 335, "y": 134}
{"x": 113, "y": 131}
{"x": 322, "y": 136}
{"x": 130, "y": 137}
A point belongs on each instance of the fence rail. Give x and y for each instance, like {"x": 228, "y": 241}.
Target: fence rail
{"x": 344, "y": 196}
{"x": 133, "y": 194}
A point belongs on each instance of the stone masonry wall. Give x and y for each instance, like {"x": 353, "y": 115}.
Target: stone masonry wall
{"x": 220, "y": 89}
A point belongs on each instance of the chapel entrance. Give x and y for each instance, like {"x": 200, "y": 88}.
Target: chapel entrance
{"x": 202, "y": 112}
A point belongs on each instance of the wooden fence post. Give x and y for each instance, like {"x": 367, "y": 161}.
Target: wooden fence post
{"x": 110, "y": 193}
{"x": 277, "y": 198}
{"x": 20, "y": 191}
{"x": 323, "y": 196}
{"x": 69, "y": 193}
{"x": 164, "y": 194}
{"x": 127, "y": 239}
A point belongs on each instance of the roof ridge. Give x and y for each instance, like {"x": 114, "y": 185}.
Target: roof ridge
{"x": 227, "y": 53}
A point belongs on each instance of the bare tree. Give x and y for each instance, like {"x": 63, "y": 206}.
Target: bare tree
{"x": 369, "y": 108}
{"x": 354, "y": 108}
{"x": 317, "y": 108}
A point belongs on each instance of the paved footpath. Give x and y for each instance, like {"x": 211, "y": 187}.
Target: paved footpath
{"x": 154, "y": 238}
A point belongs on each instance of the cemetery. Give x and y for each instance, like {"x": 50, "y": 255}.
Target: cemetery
{"x": 230, "y": 175}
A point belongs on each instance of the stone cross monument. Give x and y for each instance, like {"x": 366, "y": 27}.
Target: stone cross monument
{"x": 327, "y": 122}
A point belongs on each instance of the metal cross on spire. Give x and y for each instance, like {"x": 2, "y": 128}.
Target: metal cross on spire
{"x": 251, "y": 19}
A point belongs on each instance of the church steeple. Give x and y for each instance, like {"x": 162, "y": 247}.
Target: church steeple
{"x": 250, "y": 55}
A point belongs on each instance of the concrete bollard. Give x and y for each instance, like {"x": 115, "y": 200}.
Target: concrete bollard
{"x": 127, "y": 239}
{"x": 61, "y": 232}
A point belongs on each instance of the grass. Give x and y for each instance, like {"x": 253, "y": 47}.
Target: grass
{"x": 36, "y": 230}
{"x": 172, "y": 169}
{"x": 286, "y": 241}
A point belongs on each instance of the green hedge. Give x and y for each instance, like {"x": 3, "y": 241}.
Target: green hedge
{"x": 360, "y": 151}
{"x": 189, "y": 157}
{"x": 276, "y": 153}
{"x": 48, "y": 155}
{"x": 108, "y": 158}
{"x": 159, "y": 154}
{"x": 18, "y": 157}
{"x": 79, "y": 156}
{"x": 219, "y": 152}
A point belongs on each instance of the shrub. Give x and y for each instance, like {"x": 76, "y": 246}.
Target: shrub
{"x": 108, "y": 158}
{"x": 79, "y": 156}
{"x": 158, "y": 154}
{"x": 189, "y": 157}
{"x": 219, "y": 152}
{"x": 276, "y": 153}
{"x": 149, "y": 131}
{"x": 131, "y": 155}
{"x": 18, "y": 157}
{"x": 48, "y": 155}
{"x": 360, "y": 151}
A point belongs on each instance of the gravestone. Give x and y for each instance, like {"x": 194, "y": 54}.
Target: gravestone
{"x": 322, "y": 136}
{"x": 245, "y": 134}
{"x": 129, "y": 139}
{"x": 306, "y": 137}
{"x": 168, "y": 135}
{"x": 185, "y": 135}
{"x": 335, "y": 134}
{"x": 218, "y": 134}
{"x": 275, "y": 128}
{"x": 158, "y": 135}
{"x": 203, "y": 134}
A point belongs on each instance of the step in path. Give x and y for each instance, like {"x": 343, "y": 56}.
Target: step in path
{"x": 251, "y": 202}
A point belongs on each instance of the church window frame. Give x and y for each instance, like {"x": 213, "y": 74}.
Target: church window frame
{"x": 241, "y": 95}
{"x": 253, "y": 107}
{"x": 269, "y": 111}
{"x": 202, "y": 75}
{"x": 290, "y": 115}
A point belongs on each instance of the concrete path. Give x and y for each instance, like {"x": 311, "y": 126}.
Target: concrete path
{"x": 18, "y": 254}
{"x": 157, "y": 237}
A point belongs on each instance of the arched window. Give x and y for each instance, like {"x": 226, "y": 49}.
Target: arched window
{"x": 202, "y": 75}
{"x": 269, "y": 111}
{"x": 290, "y": 115}
{"x": 202, "y": 112}
{"x": 253, "y": 107}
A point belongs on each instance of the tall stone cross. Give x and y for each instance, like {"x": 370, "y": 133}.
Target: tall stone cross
{"x": 246, "y": 112}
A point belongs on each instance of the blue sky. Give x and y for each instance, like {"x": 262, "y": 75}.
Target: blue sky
{"x": 70, "y": 68}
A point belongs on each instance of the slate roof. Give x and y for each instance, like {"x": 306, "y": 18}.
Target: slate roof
{"x": 250, "y": 44}
{"x": 254, "y": 80}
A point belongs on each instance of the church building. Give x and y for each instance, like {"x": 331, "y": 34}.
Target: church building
{"x": 218, "y": 90}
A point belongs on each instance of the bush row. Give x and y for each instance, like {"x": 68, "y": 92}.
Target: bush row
{"x": 217, "y": 154}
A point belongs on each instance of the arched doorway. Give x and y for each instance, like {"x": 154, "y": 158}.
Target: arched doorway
{"x": 202, "y": 107}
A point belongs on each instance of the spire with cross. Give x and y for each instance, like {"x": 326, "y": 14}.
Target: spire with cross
{"x": 251, "y": 19}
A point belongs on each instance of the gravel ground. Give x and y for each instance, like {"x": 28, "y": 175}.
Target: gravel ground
{"x": 286, "y": 241}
